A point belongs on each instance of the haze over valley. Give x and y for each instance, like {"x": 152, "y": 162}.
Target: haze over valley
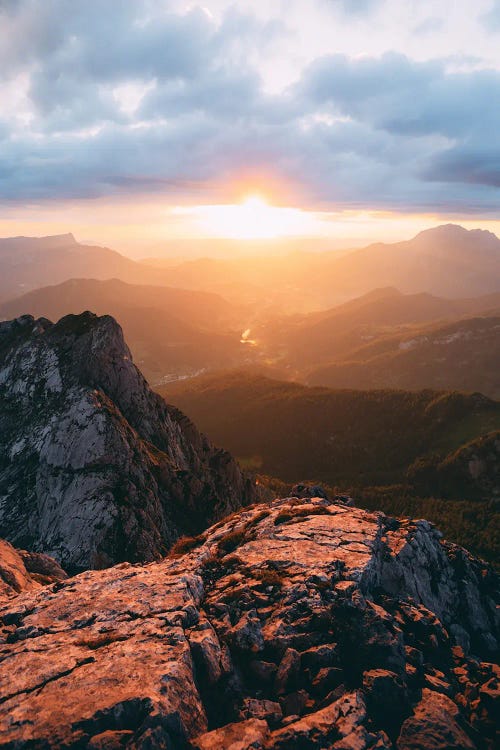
{"x": 412, "y": 329}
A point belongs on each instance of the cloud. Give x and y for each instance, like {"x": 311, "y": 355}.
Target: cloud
{"x": 138, "y": 97}
{"x": 491, "y": 19}
{"x": 405, "y": 97}
{"x": 356, "y": 7}
{"x": 430, "y": 25}
{"x": 473, "y": 166}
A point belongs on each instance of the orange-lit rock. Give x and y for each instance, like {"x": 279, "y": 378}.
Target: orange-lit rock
{"x": 288, "y": 640}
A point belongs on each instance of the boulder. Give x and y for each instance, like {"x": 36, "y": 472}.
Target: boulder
{"x": 14, "y": 577}
{"x": 244, "y": 735}
{"x": 287, "y": 671}
{"x": 434, "y": 726}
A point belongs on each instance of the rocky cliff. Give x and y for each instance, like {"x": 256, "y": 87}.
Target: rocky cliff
{"x": 300, "y": 624}
{"x": 94, "y": 467}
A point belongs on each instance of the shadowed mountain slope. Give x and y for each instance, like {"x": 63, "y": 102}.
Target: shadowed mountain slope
{"x": 462, "y": 355}
{"x": 343, "y": 436}
{"x": 431, "y": 454}
{"x": 335, "y": 334}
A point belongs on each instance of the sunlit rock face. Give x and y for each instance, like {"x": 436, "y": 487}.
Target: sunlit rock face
{"x": 94, "y": 467}
{"x": 300, "y": 624}
{"x": 22, "y": 571}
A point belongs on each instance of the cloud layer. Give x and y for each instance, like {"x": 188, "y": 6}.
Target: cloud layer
{"x": 138, "y": 97}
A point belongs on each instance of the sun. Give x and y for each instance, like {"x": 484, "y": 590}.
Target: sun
{"x": 254, "y": 201}
{"x": 252, "y": 219}
{"x": 256, "y": 219}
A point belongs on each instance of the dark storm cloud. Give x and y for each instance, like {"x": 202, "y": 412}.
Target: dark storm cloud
{"x": 383, "y": 132}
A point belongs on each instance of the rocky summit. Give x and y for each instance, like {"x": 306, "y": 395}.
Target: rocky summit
{"x": 302, "y": 623}
{"x": 95, "y": 468}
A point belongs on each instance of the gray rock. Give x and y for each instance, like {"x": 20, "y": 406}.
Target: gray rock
{"x": 96, "y": 468}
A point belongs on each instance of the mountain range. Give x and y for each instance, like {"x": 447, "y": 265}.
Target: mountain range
{"x": 447, "y": 261}
{"x": 306, "y": 319}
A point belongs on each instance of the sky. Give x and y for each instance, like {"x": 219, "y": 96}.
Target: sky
{"x": 135, "y": 122}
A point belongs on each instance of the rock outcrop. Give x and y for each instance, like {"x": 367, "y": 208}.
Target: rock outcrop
{"x": 25, "y": 571}
{"x": 300, "y": 624}
{"x": 94, "y": 467}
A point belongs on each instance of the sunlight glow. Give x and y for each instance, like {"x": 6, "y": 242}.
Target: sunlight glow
{"x": 252, "y": 219}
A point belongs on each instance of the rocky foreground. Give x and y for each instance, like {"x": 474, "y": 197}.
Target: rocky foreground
{"x": 95, "y": 468}
{"x": 300, "y": 624}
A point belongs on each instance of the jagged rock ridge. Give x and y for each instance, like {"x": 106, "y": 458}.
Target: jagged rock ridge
{"x": 300, "y": 624}
{"x": 94, "y": 467}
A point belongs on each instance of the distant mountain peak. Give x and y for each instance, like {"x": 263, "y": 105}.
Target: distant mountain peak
{"x": 380, "y": 293}
{"x": 68, "y": 237}
{"x": 454, "y": 231}
{"x": 54, "y": 240}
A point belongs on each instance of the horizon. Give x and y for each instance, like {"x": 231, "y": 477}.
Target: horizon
{"x": 341, "y": 121}
{"x": 223, "y": 248}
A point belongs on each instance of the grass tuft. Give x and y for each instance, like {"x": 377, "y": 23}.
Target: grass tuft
{"x": 186, "y": 544}
{"x": 287, "y": 514}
